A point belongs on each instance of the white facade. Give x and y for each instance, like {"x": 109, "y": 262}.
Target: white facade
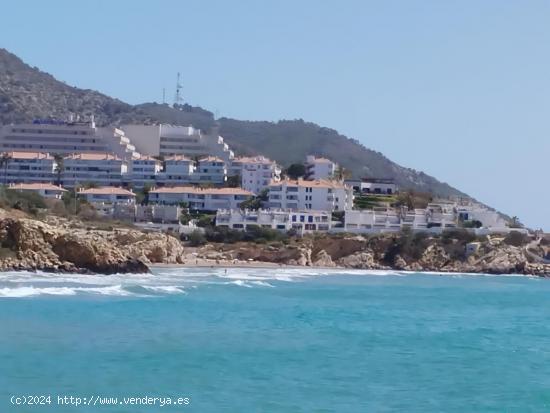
{"x": 144, "y": 171}
{"x": 179, "y": 169}
{"x": 373, "y": 186}
{"x": 376, "y": 220}
{"x": 44, "y": 190}
{"x": 320, "y": 168}
{"x": 158, "y": 213}
{"x": 300, "y": 221}
{"x": 168, "y": 140}
{"x": 106, "y": 199}
{"x": 256, "y": 173}
{"x": 320, "y": 195}
{"x": 28, "y": 167}
{"x": 202, "y": 199}
{"x": 441, "y": 215}
{"x": 211, "y": 169}
{"x": 101, "y": 169}
{"x": 65, "y": 138}
{"x": 487, "y": 217}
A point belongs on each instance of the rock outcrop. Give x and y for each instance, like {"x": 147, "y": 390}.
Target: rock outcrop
{"x": 432, "y": 253}
{"x": 29, "y": 244}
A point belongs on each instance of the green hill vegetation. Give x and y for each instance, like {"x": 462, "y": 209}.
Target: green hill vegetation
{"x": 26, "y": 93}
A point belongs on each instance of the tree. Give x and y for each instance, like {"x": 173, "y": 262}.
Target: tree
{"x": 59, "y": 167}
{"x": 4, "y": 162}
{"x": 234, "y": 181}
{"x": 146, "y": 189}
{"x": 197, "y": 238}
{"x": 342, "y": 174}
{"x": 296, "y": 170}
{"x": 255, "y": 202}
{"x": 515, "y": 223}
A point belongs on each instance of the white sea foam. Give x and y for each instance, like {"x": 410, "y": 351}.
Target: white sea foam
{"x": 30, "y": 291}
{"x": 241, "y": 283}
{"x": 168, "y": 289}
{"x": 262, "y": 284}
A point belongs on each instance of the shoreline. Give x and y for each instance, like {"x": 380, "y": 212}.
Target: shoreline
{"x": 367, "y": 271}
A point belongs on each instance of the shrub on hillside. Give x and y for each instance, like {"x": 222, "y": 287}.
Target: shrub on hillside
{"x": 197, "y": 238}
{"x": 516, "y": 239}
{"x": 253, "y": 233}
{"x": 29, "y": 202}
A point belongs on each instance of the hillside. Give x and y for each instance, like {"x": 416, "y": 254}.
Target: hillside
{"x": 26, "y": 93}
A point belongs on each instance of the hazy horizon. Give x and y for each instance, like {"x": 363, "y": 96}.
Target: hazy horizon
{"x": 459, "y": 91}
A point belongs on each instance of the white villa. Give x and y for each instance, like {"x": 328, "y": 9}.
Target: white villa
{"x": 203, "y": 199}
{"x": 45, "y": 190}
{"x": 320, "y": 195}
{"x": 301, "y": 221}
{"x": 441, "y": 215}
{"x": 107, "y": 195}
{"x": 108, "y": 198}
{"x": 320, "y": 168}
{"x": 373, "y": 186}
{"x": 256, "y": 172}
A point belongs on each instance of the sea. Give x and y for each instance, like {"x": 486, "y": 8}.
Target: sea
{"x": 274, "y": 340}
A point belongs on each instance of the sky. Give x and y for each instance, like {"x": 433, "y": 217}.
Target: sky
{"x": 457, "y": 89}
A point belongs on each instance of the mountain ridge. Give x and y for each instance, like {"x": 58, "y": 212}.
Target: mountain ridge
{"x": 27, "y": 93}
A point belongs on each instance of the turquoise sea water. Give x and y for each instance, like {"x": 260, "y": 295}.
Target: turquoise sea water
{"x": 277, "y": 340}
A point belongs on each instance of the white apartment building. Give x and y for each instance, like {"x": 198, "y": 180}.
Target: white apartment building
{"x": 320, "y": 195}
{"x": 320, "y": 168}
{"x": 210, "y": 169}
{"x": 144, "y": 171}
{"x": 373, "y": 186}
{"x": 256, "y": 172}
{"x": 106, "y": 199}
{"x": 375, "y": 220}
{"x": 178, "y": 169}
{"x": 65, "y": 138}
{"x": 158, "y": 213}
{"x": 301, "y": 221}
{"x": 102, "y": 169}
{"x": 28, "y": 167}
{"x": 240, "y": 219}
{"x": 487, "y": 217}
{"x": 107, "y": 195}
{"x": 415, "y": 219}
{"x": 202, "y": 199}
{"x": 441, "y": 215}
{"x": 44, "y": 190}
{"x": 167, "y": 140}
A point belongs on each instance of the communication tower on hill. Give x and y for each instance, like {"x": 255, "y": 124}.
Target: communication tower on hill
{"x": 179, "y": 98}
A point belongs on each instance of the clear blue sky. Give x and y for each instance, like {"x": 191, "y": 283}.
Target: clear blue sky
{"x": 458, "y": 89}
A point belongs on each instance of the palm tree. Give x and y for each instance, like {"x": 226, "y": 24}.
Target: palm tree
{"x": 4, "y": 162}
{"x": 59, "y": 167}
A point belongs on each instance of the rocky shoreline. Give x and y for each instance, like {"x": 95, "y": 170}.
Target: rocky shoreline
{"x": 55, "y": 244}
{"x": 493, "y": 255}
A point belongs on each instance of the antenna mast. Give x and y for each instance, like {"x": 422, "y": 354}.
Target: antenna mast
{"x": 179, "y": 99}
{"x": 163, "y": 95}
